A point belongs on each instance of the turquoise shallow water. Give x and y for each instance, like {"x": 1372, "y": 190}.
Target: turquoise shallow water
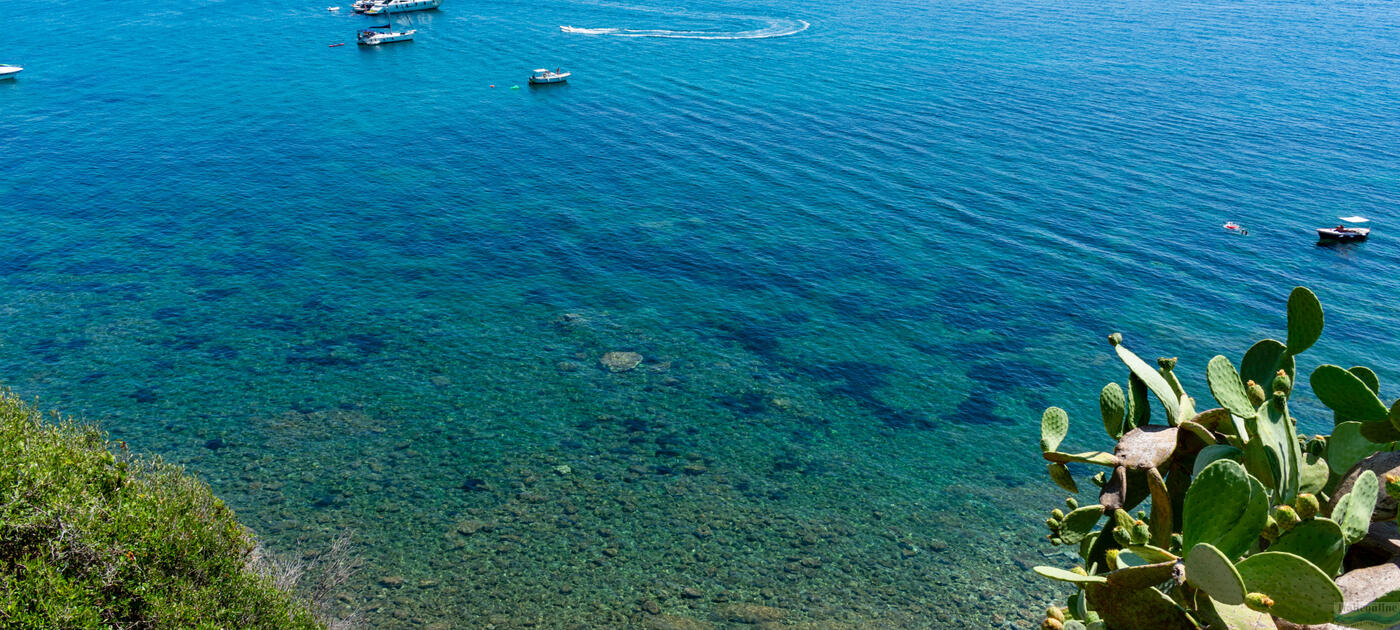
{"x": 364, "y": 290}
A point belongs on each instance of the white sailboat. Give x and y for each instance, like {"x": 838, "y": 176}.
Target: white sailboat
{"x": 376, "y": 35}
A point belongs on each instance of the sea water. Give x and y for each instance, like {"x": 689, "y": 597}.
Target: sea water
{"x": 859, "y": 246}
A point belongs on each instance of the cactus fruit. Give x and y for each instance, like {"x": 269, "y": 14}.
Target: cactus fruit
{"x": 1271, "y": 530}
{"x": 1286, "y": 517}
{"x": 1054, "y": 424}
{"x": 1304, "y": 320}
{"x": 1140, "y": 533}
{"x": 1282, "y": 384}
{"x": 1306, "y": 505}
{"x": 1256, "y": 394}
{"x": 1347, "y": 395}
{"x": 1223, "y": 508}
{"x": 1071, "y": 503}
{"x": 1392, "y": 486}
{"x": 1115, "y": 339}
{"x": 1055, "y": 612}
{"x": 1300, "y": 592}
{"x": 1259, "y": 602}
{"x": 1057, "y": 514}
{"x": 1052, "y": 624}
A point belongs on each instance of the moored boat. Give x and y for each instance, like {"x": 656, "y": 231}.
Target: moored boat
{"x": 384, "y": 7}
{"x": 8, "y": 71}
{"x": 372, "y": 37}
{"x": 1344, "y": 233}
{"x": 543, "y": 75}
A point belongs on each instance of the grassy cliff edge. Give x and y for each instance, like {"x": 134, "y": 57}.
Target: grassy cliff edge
{"x": 91, "y": 536}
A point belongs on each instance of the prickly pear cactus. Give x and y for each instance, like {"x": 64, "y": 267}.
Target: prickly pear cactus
{"x": 1250, "y": 523}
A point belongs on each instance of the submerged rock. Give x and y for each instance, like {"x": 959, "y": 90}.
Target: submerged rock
{"x": 750, "y": 613}
{"x": 621, "y": 361}
{"x": 673, "y": 622}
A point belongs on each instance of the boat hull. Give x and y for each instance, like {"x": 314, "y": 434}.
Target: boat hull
{"x": 9, "y": 72}
{"x": 534, "y": 81}
{"x": 1352, "y": 234}
{"x": 386, "y": 38}
{"x": 403, "y": 6}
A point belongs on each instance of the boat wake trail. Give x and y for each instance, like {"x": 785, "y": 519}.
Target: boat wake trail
{"x": 771, "y": 28}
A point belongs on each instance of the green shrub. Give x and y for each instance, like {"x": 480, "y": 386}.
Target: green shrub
{"x": 91, "y": 536}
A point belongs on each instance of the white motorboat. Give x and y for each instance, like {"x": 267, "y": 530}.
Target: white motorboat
{"x": 1344, "y": 233}
{"x": 542, "y": 75}
{"x": 372, "y": 37}
{"x": 385, "y": 7}
{"x": 8, "y": 71}
{"x": 360, "y": 6}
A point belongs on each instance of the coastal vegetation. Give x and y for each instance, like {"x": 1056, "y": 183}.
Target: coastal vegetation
{"x": 93, "y": 536}
{"x": 1244, "y": 523}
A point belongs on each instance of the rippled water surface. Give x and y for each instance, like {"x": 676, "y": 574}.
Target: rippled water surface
{"x": 859, "y": 246}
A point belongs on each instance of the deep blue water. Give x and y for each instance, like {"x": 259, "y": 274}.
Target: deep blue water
{"x": 860, "y": 246}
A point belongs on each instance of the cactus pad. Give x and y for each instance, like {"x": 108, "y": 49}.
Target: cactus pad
{"x": 1224, "y": 509}
{"x": 1113, "y": 404}
{"x": 1272, "y": 431}
{"x": 1367, "y": 376}
{"x": 1304, "y": 320}
{"x": 1139, "y": 410}
{"x": 1226, "y": 386}
{"x": 1348, "y": 446}
{"x": 1088, "y": 457}
{"x": 1213, "y": 452}
{"x": 1079, "y": 523}
{"x": 1301, "y": 592}
{"x": 1068, "y": 576}
{"x": 1318, "y": 541}
{"x": 1210, "y": 571}
{"x": 1347, "y": 395}
{"x": 1137, "y": 609}
{"x": 1059, "y": 473}
{"x": 1353, "y": 511}
{"x": 1154, "y": 382}
{"x": 1312, "y": 474}
{"x": 1054, "y": 424}
{"x": 1263, "y": 360}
